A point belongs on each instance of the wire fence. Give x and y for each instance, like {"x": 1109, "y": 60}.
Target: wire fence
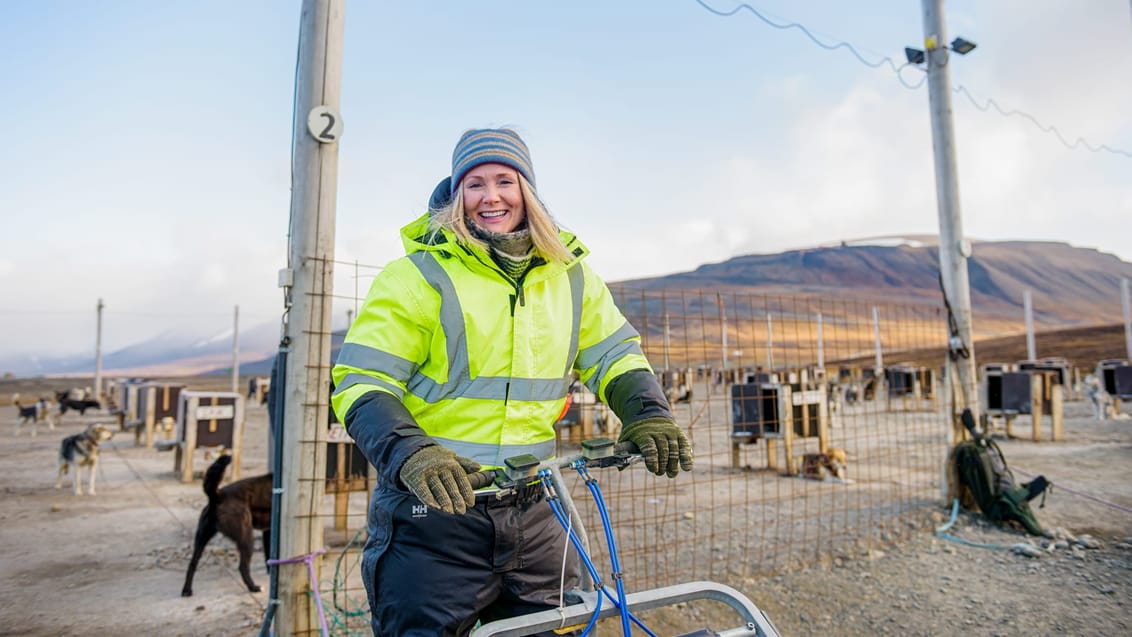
{"x": 769, "y": 387}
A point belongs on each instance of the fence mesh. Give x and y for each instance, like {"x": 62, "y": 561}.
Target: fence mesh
{"x": 759, "y": 382}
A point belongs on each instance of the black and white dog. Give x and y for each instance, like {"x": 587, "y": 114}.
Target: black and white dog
{"x": 33, "y": 414}
{"x": 67, "y": 401}
{"x": 81, "y": 450}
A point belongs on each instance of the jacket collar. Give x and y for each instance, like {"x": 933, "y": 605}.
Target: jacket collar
{"x": 417, "y": 237}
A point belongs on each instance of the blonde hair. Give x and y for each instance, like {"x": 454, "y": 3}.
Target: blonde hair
{"x": 544, "y": 231}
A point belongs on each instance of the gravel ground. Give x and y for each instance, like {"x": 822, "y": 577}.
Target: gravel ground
{"x": 114, "y": 563}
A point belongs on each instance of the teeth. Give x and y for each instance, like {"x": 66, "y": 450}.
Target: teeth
{"x": 493, "y": 214}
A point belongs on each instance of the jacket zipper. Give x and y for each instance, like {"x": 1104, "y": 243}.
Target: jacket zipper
{"x": 517, "y": 284}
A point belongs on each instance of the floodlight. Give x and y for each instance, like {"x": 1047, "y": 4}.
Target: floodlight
{"x": 961, "y": 46}
{"x": 915, "y": 56}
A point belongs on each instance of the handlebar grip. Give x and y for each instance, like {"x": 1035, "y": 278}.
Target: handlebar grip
{"x": 625, "y": 447}
{"x": 481, "y": 479}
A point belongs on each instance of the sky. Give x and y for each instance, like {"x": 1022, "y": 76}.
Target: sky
{"x": 146, "y": 160}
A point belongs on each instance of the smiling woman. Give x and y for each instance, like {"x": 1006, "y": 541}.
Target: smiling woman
{"x": 462, "y": 357}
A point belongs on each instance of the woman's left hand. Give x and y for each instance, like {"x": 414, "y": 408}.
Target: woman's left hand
{"x": 663, "y": 445}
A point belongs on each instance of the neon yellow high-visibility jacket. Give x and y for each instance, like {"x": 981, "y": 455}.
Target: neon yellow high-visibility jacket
{"x": 449, "y": 349}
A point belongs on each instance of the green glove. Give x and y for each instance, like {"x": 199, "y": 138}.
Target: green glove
{"x": 663, "y": 445}
{"x": 440, "y": 479}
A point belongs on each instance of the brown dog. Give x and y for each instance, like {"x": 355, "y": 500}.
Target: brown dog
{"x": 237, "y": 511}
{"x": 830, "y": 465}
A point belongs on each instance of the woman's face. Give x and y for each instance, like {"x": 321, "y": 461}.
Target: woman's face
{"x": 493, "y": 198}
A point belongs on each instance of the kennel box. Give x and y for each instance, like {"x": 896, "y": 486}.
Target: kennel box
{"x": 126, "y": 399}
{"x": 757, "y": 377}
{"x": 754, "y": 410}
{"x": 901, "y": 380}
{"x": 1059, "y": 366}
{"x": 158, "y": 399}
{"x": 346, "y": 467}
{"x": 1122, "y": 379}
{"x": 156, "y": 403}
{"x": 208, "y": 420}
{"x": 1007, "y": 392}
{"x": 807, "y": 409}
{"x": 1107, "y": 373}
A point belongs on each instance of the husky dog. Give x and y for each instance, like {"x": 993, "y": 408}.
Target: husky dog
{"x": 828, "y": 466}
{"x": 33, "y": 414}
{"x": 1103, "y": 406}
{"x": 81, "y": 450}
{"x": 237, "y": 511}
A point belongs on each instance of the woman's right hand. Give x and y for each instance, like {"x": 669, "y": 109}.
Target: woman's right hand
{"x": 439, "y": 478}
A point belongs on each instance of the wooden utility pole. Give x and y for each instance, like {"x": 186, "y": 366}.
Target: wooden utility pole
{"x": 666, "y": 336}
{"x": 236, "y": 351}
{"x": 954, "y": 249}
{"x": 878, "y": 354}
{"x": 1028, "y": 306}
{"x": 821, "y": 344}
{"x": 722, "y": 330}
{"x": 769, "y": 344}
{"x": 308, "y": 282}
{"x": 1127, "y": 301}
{"x": 98, "y": 353}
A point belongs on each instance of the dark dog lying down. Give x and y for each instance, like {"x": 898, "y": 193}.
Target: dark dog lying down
{"x": 237, "y": 511}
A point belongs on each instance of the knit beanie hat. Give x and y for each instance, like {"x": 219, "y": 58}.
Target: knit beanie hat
{"x": 490, "y": 146}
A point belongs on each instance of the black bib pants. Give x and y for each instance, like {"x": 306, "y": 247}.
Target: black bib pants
{"x": 428, "y": 573}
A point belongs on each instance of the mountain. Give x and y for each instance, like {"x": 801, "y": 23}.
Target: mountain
{"x": 181, "y": 352}
{"x": 1069, "y": 286}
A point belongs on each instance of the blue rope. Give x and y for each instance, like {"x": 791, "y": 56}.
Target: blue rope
{"x": 556, "y": 507}
{"x": 941, "y": 531}
{"x": 615, "y": 564}
{"x": 623, "y": 604}
{"x": 559, "y": 513}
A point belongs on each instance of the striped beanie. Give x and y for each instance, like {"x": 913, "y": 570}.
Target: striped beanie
{"x": 490, "y": 146}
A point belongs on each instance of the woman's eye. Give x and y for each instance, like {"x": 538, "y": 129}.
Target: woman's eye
{"x": 474, "y": 186}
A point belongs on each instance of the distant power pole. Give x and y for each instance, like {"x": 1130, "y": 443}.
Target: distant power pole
{"x": 953, "y": 248}
{"x": 308, "y": 283}
{"x": 879, "y": 362}
{"x": 1028, "y": 305}
{"x": 769, "y": 344}
{"x": 236, "y": 350}
{"x": 98, "y": 353}
{"x": 722, "y": 329}
{"x": 666, "y": 343}
{"x": 1127, "y": 300}
{"x": 821, "y": 344}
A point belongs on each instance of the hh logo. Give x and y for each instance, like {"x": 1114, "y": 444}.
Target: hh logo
{"x": 420, "y": 511}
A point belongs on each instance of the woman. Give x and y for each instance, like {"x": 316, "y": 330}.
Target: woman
{"x": 461, "y": 357}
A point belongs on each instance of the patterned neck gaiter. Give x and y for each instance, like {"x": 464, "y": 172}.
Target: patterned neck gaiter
{"x": 513, "y": 252}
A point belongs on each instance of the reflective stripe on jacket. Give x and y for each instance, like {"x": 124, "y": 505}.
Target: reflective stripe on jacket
{"x": 481, "y": 363}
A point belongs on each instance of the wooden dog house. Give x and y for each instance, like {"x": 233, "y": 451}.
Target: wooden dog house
{"x": 778, "y": 411}
{"x": 156, "y": 403}
{"x": 206, "y": 420}
{"x": 1008, "y": 392}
